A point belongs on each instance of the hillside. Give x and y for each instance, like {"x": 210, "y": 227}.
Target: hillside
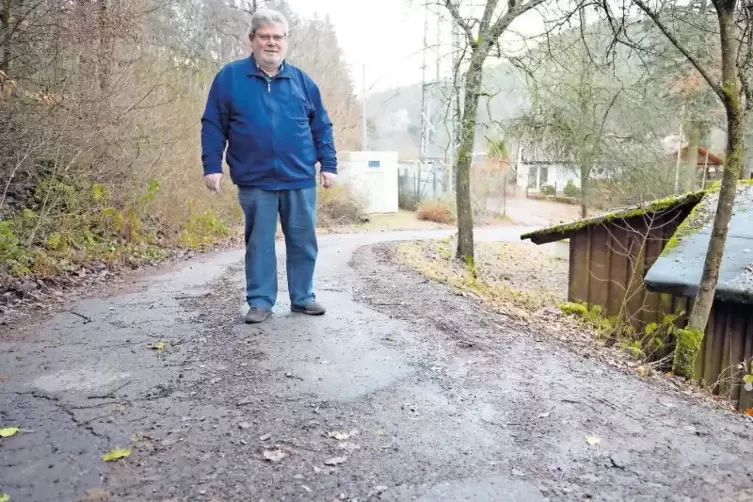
{"x": 395, "y": 119}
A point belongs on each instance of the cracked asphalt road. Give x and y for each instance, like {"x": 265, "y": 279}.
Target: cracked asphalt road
{"x": 428, "y": 396}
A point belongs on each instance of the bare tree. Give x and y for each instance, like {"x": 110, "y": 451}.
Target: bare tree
{"x": 730, "y": 81}
{"x": 481, "y": 34}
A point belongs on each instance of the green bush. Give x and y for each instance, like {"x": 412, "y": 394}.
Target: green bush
{"x": 571, "y": 190}
{"x": 548, "y": 190}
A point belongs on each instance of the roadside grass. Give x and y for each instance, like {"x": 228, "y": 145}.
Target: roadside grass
{"x": 528, "y": 284}
{"x": 516, "y": 279}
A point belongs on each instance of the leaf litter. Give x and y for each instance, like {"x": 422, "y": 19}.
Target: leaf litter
{"x": 275, "y": 455}
{"x": 593, "y": 440}
{"x": 7, "y": 432}
{"x": 334, "y": 461}
{"x": 341, "y": 436}
{"x": 116, "y": 454}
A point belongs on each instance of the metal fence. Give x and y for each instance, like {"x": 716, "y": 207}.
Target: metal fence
{"x": 418, "y": 182}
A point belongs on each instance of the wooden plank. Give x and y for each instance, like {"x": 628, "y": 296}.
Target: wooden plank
{"x": 579, "y": 283}
{"x": 725, "y": 372}
{"x": 598, "y": 285}
{"x": 708, "y": 343}
{"x": 635, "y": 289}
{"x": 746, "y": 398}
{"x": 720, "y": 322}
{"x": 736, "y": 351}
{"x": 609, "y": 288}
{"x": 656, "y": 241}
{"x": 618, "y": 273}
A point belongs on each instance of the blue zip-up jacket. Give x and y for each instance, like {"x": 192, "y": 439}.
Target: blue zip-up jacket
{"x": 275, "y": 129}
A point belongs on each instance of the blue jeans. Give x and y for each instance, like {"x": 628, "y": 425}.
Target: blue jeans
{"x": 297, "y": 210}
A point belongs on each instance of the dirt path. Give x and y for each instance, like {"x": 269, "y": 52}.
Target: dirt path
{"x": 536, "y": 213}
{"x": 428, "y": 398}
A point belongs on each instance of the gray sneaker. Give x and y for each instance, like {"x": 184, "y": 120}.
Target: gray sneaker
{"x": 311, "y": 308}
{"x": 256, "y": 315}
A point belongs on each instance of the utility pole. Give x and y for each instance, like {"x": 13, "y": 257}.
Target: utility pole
{"x": 424, "y": 118}
{"x": 455, "y": 103}
{"x": 364, "y": 131}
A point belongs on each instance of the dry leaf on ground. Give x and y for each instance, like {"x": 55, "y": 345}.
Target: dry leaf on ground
{"x": 116, "y": 454}
{"x": 96, "y": 494}
{"x": 340, "y": 436}
{"x": 274, "y": 455}
{"x": 4, "y": 497}
{"x": 158, "y": 346}
{"x": 335, "y": 461}
{"x": 593, "y": 440}
{"x": 7, "y": 432}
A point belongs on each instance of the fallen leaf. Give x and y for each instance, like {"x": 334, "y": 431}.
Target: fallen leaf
{"x": 96, "y": 494}
{"x": 348, "y": 446}
{"x": 335, "y": 461}
{"x": 593, "y": 440}
{"x": 274, "y": 455}
{"x": 340, "y": 436}
{"x": 8, "y": 432}
{"x": 4, "y": 497}
{"x": 749, "y": 412}
{"x": 158, "y": 346}
{"x": 116, "y": 454}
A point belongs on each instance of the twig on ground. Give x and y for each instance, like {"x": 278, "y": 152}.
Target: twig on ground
{"x": 86, "y": 319}
{"x": 110, "y": 394}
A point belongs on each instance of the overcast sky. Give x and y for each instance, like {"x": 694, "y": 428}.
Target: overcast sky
{"x": 387, "y": 37}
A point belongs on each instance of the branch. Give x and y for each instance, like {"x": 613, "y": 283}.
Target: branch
{"x": 455, "y": 13}
{"x": 486, "y": 19}
{"x": 673, "y": 40}
{"x": 515, "y": 10}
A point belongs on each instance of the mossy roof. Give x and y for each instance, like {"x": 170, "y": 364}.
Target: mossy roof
{"x": 678, "y": 269}
{"x": 566, "y": 230}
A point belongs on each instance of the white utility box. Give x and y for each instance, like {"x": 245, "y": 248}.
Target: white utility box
{"x": 373, "y": 176}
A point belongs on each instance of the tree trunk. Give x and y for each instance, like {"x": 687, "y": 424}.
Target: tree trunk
{"x": 689, "y": 342}
{"x": 6, "y": 34}
{"x": 584, "y": 171}
{"x": 473, "y": 79}
{"x": 105, "y": 49}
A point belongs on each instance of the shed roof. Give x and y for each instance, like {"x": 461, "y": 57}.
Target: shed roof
{"x": 678, "y": 269}
{"x": 566, "y": 230}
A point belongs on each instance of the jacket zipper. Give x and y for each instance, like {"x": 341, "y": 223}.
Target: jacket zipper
{"x": 274, "y": 156}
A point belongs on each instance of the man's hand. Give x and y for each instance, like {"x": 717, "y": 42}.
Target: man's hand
{"x": 327, "y": 179}
{"x": 213, "y": 181}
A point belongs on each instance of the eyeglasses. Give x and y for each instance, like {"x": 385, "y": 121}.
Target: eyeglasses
{"x": 267, "y": 38}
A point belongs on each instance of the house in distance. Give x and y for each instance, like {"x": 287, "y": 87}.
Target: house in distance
{"x": 643, "y": 263}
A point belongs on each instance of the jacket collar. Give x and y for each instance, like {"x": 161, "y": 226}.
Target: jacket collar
{"x": 254, "y": 69}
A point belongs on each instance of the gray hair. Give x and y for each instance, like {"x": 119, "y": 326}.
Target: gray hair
{"x": 265, "y": 17}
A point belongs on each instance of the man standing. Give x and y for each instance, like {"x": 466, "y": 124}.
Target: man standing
{"x": 270, "y": 116}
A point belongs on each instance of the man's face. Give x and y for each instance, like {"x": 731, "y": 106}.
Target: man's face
{"x": 269, "y": 44}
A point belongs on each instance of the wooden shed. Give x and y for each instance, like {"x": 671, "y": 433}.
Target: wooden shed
{"x": 641, "y": 263}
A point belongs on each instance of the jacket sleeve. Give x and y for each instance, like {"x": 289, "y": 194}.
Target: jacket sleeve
{"x": 321, "y": 128}
{"x": 214, "y": 127}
